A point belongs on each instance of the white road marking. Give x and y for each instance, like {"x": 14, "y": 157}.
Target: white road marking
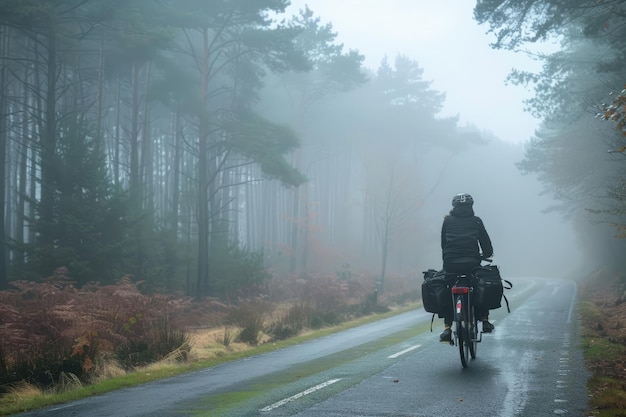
{"x": 300, "y": 395}
{"x": 395, "y": 355}
{"x": 518, "y": 293}
{"x": 572, "y": 305}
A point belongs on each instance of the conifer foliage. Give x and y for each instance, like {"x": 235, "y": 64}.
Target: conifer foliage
{"x": 127, "y": 131}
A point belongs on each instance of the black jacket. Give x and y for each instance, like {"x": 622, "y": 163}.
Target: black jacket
{"x": 461, "y": 234}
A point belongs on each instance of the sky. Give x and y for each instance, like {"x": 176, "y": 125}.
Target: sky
{"x": 449, "y": 45}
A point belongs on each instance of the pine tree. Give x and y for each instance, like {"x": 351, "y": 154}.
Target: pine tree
{"x": 90, "y": 219}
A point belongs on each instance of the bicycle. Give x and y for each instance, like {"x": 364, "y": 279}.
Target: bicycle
{"x": 466, "y": 335}
{"x": 443, "y": 291}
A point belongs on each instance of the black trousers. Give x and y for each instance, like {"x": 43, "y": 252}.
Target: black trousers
{"x": 462, "y": 268}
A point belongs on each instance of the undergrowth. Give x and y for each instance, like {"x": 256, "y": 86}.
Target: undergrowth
{"x": 57, "y": 337}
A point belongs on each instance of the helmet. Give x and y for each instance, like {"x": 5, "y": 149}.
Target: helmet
{"x": 462, "y": 199}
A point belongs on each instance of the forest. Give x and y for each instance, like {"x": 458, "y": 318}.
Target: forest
{"x": 203, "y": 148}
{"x": 191, "y": 147}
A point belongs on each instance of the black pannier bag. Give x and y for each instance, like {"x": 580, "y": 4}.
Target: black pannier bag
{"x": 488, "y": 287}
{"x": 436, "y": 295}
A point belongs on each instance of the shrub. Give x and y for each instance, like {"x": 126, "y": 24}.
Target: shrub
{"x": 39, "y": 342}
{"x": 297, "y": 317}
{"x": 333, "y": 317}
{"x": 250, "y": 316}
{"x": 282, "y": 331}
{"x": 226, "y": 338}
{"x": 237, "y": 272}
{"x": 67, "y": 382}
{"x": 316, "y": 321}
{"x": 371, "y": 305}
{"x": 241, "y": 314}
{"x": 326, "y": 294}
{"x": 54, "y": 334}
{"x": 52, "y": 331}
{"x": 154, "y": 346}
{"x": 251, "y": 331}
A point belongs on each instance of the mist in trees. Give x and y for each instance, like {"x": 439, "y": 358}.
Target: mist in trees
{"x": 199, "y": 146}
{"x": 569, "y": 153}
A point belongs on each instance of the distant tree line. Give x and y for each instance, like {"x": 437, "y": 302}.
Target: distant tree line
{"x": 192, "y": 144}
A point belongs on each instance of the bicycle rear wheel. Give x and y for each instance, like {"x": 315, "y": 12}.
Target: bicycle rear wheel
{"x": 462, "y": 332}
{"x": 463, "y": 344}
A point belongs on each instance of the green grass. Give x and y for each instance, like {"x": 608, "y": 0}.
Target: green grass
{"x": 15, "y": 403}
{"x": 599, "y": 349}
{"x": 590, "y": 312}
{"x": 607, "y": 395}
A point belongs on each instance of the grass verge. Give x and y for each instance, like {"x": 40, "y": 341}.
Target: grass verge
{"x": 605, "y": 358}
{"x": 607, "y": 389}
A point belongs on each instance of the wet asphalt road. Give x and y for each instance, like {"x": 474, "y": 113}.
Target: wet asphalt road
{"x": 530, "y": 366}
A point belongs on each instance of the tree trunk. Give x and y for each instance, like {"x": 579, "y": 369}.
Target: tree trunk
{"x": 295, "y": 219}
{"x": 4, "y": 251}
{"x": 118, "y": 127}
{"x": 176, "y": 166}
{"x": 48, "y": 140}
{"x": 99, "y": 143}
{"x": 203, "y": 178}
{"x": 135, "y": 186}
{"x": 385, "y": 252}
{"x": 146, "y": 148}
{"x": 306, "y": 228}
{"x": 203, "y": 216}
{"x": 25, "y": 152}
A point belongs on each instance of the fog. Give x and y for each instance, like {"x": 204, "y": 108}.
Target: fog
{"x": 441, "y": 36}
{"x": 527, "y": 239}
{"x": 418, "y": 166}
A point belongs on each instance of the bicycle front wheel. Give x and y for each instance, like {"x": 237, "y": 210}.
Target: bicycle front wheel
{"x": 473, "y": 334}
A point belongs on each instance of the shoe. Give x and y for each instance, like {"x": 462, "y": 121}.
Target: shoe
{"x": 446, "y": 336}
{"x": 487, "y": 327}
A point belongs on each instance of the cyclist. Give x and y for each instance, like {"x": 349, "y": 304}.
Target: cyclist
{"x": 463, "y": 237}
